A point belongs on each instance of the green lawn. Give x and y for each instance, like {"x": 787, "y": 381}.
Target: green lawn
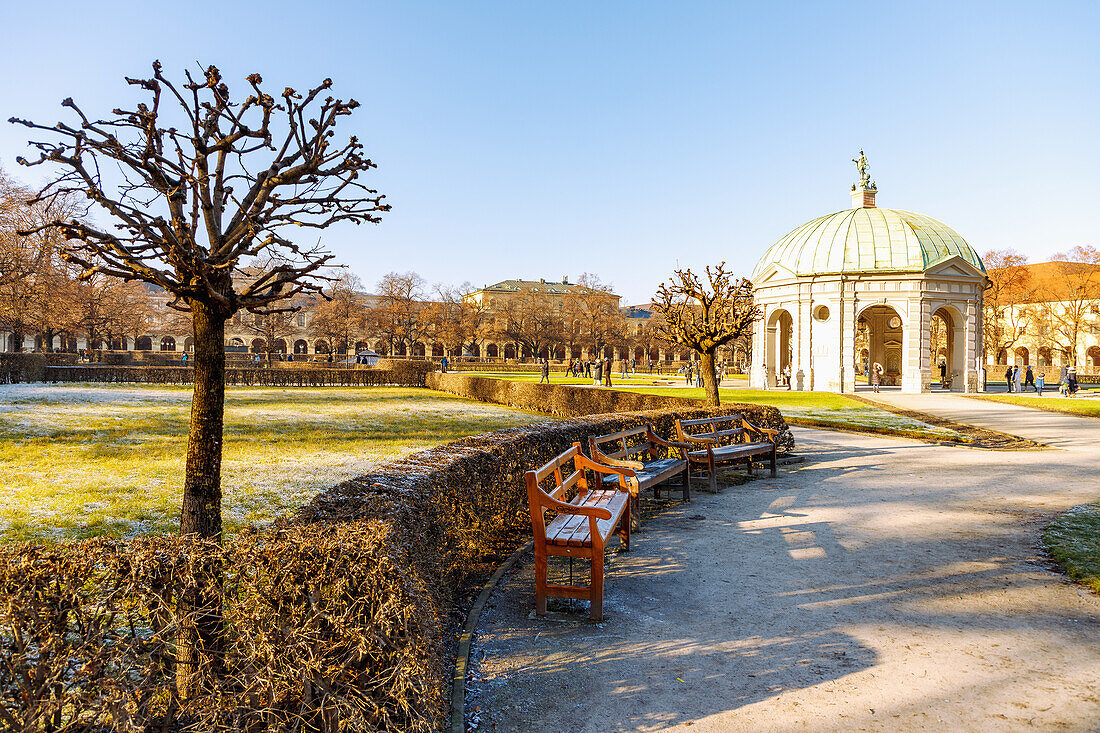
{"x": 1073, "y": 539}
{"x": 824, "y": 409}
{"x": 1052, "y": 402}
{"x": 82, "y": 459}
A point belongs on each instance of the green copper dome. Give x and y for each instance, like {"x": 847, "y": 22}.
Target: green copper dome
{"x": 865, "y": 240}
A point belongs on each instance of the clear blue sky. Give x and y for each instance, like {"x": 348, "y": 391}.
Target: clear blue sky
{"x": 523, "y": 139}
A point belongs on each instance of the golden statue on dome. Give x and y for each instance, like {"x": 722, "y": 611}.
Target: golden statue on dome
{"x": 864, "y": 177}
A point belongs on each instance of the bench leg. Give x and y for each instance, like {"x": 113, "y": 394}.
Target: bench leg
{"x": 687, "y": 484}
{"x": 626, "y": 524}
{"x": 595, "y": 591}
{"x": 713, "y": 477}
{"x": 773, "y": 462}
{"x": 540, "y": 581}
{"x": 748, "y": 465}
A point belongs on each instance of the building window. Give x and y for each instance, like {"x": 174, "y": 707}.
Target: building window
{"x": 301, "y": 319}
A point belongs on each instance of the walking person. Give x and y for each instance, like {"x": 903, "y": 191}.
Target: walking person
{"x": 607, "y": 371}
{"x": 1062, "y": 379}
{"x": 1008, "y": 378}
{"x": 443, "y": 364}
{"x": 943, "y": 375}
{"x": 1017, "y": 378}
{"x": 787, "y": 376}
{"x": 764, "y": 367}
{"x": 1039, "y": 383}
{"x": 597, "y": 374}
{"x": 1029, "y": 378}
{"x": 687, "y": 374}
{"x": 876, "y": 378}
{"x": 588, "y": 368}
{"x": 1071, "y": 382}
{"x": 545, "y": 371}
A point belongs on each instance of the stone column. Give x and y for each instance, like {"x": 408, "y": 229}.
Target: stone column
{"x": 846, "y": 354}
{"x": 916, "y": 374}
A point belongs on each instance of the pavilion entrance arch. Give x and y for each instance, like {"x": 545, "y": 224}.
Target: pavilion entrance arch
{"x": 880, "y": 332}
{"x": 779, "y": 350}
{"x": 947, "y": 346}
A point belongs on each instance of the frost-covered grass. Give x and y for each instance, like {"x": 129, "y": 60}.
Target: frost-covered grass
{"x": 81, "y": 460}
{"x": 1073, "y": 539}
{"x": 1051, "y": 401}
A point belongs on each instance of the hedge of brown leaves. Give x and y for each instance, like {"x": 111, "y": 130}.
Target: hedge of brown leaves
{"x": 394, "y": 375}
{"x": 332, "y": 620}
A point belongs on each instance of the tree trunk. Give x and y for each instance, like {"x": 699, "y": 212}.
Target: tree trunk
{"x": 710, "y": 382}
{"x": 199, "y": 606}
{"x": 202, "y": 492}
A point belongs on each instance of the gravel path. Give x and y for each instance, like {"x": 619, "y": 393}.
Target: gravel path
{"x": 883, "y": 585}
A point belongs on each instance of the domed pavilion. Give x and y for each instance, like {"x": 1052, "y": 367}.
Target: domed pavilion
{"x": 865, "y": 287}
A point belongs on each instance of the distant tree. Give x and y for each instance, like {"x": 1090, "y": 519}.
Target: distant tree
{"x": 453, "y": 321}
{"x": 1073, "y": 295}
{"x": 704, "y": 316}
{"x": 594, "y": 305}
{"x": 396, "y": 315}
{"x": 339, "y": 318}
{"x": 1009, "y": 286}
{"x": 184, "y": 189}
{"x": 530, "y": 320}
{"x": 270, "y": 328}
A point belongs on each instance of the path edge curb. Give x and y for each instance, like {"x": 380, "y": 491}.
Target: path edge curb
{"x": 462, "y": 658}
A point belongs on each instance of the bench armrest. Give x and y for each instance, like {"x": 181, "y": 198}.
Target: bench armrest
{"x": 654, "y": 438}
{"x": 700, "y": 441}
{"x": 772, "y": 435}
{"x": 564, "y": 507}
{"x": 600, "y": 457}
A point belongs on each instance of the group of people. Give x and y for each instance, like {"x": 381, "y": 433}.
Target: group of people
{"x": 598, "y": 370}
{"x": 1019, "y": 382}
{"x": 693, "y": 370}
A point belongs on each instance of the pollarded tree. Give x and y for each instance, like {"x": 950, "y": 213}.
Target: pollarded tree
{"x": 705, "y": 316}
{"x": 188, "y": 187}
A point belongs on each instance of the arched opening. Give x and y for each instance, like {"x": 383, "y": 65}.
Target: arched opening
{"x": 301, "y": 347}
{"x": 639, "y": 354}
{"x": 1002, "y": 357}
{"x": 259, "y": 346}
{"x": 418, "y": 349}
{"x": 437, "y": 349}
{"x": 144, "y": 343}
{"x": 1042, "y": 358}
{"x": 778, "y": 355}
{"x": 189, "y": 344}
{"x": 381, "y": 348}
{"x": 280, "y": 346}
{"x": 509, "y": 351}
{"x": 1093, "y": 356}
{"x": 1023, "y": 356}
{"x": 879, "y": 332}
{"x": 526, "y": 352}
{"x": 947, "y": 350}
{"x": 320, "y": 347}
{"x": 475, "y": 351}
{"x": 492, "y": 351}
{"x": 361, "y": 346}
{"x": 167, "y": 343}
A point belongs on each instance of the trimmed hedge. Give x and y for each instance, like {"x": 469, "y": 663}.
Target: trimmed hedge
{"x": 397, "y": 373}
{"x": 570, "y": 401}
{"x": 21, "y": 367}
{"x": 333, "y": 618}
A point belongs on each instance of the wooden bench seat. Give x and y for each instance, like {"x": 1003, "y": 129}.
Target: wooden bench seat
{"x": 621, "y": 452}
{"x": 584, "y": 521}
{"x": 724, "y": 440}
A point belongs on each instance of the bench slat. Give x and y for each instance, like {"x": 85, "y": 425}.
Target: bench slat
{"x": 573, "y": 530}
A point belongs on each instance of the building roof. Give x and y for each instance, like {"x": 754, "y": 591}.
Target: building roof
{"x": 1044, "y": 282}
{"x": 865, "y": 240}
{"x": 560, "y": 287}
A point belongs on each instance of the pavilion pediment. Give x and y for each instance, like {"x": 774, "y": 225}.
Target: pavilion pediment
{"x": 955, "y": 267}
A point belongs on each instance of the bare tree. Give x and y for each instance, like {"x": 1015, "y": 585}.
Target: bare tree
{"x": 1009, "y": 286}
{"x": 396, "y": 317}
{"x": 704, "y": 316}
{"x": 205, "y": 184}
{"x": 1072, "y": 295}
{"x": 340, "y": 316}
{"x": 529, "y": 320}
{"x": 192, "y": 184}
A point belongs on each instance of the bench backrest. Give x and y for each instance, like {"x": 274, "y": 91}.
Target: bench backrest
{"x": 715, "y": 428}
{"x": 619, "y": 445}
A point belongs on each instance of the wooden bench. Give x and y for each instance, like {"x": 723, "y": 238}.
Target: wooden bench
{"x": 725, "y": 440}
{"x": 620, "y": 450}
{"x": 581, "y": 527}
